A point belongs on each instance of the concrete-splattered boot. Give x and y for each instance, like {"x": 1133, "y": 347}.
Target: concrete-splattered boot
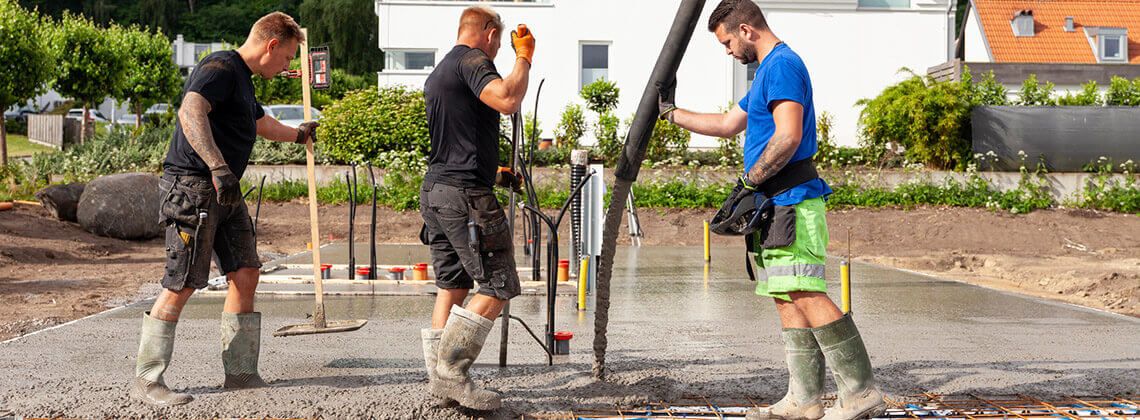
{"x": 156, "y": 344}
{"x": 459, "y": 345}
{"x": 805, "y": 380}
{"x": 430, "y": 338}
{"x": 858, "y": 396}
{"x": 241, "y": 347}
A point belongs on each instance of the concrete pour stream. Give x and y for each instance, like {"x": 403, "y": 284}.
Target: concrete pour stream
{"x": 673, "y": 333}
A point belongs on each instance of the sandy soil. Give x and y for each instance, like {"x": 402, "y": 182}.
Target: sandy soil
{"x": 52, "y": 272}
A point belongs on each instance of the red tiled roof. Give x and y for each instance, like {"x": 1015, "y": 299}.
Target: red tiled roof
{"x": 1050, "y": 43}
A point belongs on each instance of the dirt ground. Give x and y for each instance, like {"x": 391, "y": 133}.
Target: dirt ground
{"x": 53, "y": 272}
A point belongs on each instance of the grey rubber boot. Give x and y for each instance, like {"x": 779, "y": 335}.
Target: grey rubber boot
{"x": 430, "y": 338}
{"x": 459, "y": 345}
{"x": 241, "y": 347}
{"x": 156, "y": 344}
{"x": 858, "y": 396}
{"x": 805, "y": 380}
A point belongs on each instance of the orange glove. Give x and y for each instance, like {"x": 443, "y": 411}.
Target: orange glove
{"x": 508, "y": 179}
{"x": 522, "y": 40}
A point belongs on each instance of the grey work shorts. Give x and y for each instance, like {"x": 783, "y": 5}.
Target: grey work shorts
{"x": 459, "y": 261}
{"x": 198, "y": 227}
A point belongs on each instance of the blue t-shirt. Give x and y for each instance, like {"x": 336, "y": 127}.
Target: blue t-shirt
{"x": 781, "y": 75}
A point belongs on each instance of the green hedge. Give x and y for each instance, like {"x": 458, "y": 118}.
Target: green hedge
{"x": 387, "y": 127}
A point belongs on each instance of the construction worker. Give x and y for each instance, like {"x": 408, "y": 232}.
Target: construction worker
{"x": 203, "y": 209}
{"x": 464, "y": 225}
{"x": 780, "y": 140}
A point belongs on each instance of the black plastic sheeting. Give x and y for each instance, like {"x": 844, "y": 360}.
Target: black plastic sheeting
{"x": 1067, "y": 138}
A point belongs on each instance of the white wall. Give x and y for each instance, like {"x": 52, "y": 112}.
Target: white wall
{"x": 850, "y": 53}
{"x": 977, "y": 49}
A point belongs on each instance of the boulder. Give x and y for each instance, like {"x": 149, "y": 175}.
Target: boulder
{"x": 61, "y": 200}
{"x": 123, "y": 206}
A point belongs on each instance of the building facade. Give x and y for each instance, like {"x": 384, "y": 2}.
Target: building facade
{"x": 853, "y": 49}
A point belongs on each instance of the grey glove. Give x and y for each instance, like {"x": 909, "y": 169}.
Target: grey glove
{"x": 227, "y": 185}
{"x": 307, "y": 130}
{"x": 665, "y": 99}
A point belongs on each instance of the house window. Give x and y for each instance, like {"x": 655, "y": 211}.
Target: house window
{"x": 409, "y": 59}
{"x": 885, "y": 4}
{"x": 1112, "y": 48}
{"x": 751, "y": 71}
{"x": 595, "y": 62}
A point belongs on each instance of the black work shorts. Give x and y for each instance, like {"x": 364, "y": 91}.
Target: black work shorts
{"x": 459, "y": 261}
{"x": 198, "y": 227}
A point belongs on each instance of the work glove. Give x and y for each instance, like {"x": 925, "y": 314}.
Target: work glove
{"x": 522, "y": 41}
{"x": 665, "y": 99}
{"x": 506, "y": 178}
{"x": 748, "y": 185}
{"x": 307, "y": 130}
{"x": 227, "y": 185}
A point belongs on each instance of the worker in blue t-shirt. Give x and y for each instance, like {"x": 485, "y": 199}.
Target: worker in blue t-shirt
{"x": 780, "y": 140}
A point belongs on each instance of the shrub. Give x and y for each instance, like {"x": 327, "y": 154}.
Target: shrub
{"x": 990, "y": 92}
{"x": 118, "y": 149}
{"x": 571, "y": 127}
{"x": 1034, "y": 94}
{"x": 609, "y": 145}
{"x": 928, "y": 119}
{"x": 1089, "y": 96}
{"x": 386, "y": 127}
{"x": 601, "y": 96}
{"x": 668, "y": 141}
{"x": 1121, "y": 92}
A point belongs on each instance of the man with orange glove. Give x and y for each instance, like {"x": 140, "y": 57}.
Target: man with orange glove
{"x": 464, "y": 225}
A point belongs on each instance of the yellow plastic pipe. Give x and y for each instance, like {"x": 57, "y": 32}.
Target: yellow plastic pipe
{"x": 708, "y": 253}
{"x": 583, "y": 275}
{"x": 845, "y": 283}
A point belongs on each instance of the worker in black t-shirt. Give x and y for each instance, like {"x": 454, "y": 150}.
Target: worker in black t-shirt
{"x": 203, "y": 209}
{"x": 465, "y": 226}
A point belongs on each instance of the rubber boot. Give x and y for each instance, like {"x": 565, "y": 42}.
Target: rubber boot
{"x": 805, "y": 380}
{"x": 858, "y": 396}
{"x": 156, "y": 344}
{"x": 241, "y": 346}
{"x": 430, "y": 338}
{"x": 459, "y": 345}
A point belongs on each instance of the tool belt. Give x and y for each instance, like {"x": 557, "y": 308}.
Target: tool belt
{"x": 778, "y": 228}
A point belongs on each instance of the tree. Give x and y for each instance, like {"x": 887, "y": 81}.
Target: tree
{"x": 151, "y": 75}
{"x": 92, "y": 63}
{"x": 25, "y": 64}
{"x": 348, "y": 27}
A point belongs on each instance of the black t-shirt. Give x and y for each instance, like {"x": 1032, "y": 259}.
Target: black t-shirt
{"x": 464, "y": 130}
{"x": 224, "y": 80}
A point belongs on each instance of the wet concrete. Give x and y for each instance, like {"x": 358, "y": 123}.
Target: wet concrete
{"x": 673, "y": 333}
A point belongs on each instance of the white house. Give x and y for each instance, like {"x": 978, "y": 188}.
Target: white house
{"x": 853, "y": 49}
{"x": 1067, "y": 42}
{"x": 187, "y": 54}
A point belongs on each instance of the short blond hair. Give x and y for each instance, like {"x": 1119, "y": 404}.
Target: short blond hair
{"x": 277, "y": 26}
{"x": 479, "y": 17}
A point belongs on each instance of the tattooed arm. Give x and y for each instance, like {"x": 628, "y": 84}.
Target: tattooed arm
{"x": 788, "y": 116}
{"x": 195, "y": 122}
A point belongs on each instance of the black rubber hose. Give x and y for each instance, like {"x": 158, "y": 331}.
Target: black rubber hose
{"x": 629, "y": 163}
{"x": 349, "y": 179}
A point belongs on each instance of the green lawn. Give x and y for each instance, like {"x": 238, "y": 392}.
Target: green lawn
{"x": 18, "y": 146}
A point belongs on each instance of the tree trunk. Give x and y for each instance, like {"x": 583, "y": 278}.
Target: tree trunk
{"x": 138, "y": 116}
{"x": 83, "y": 126}
{"x": 3, "y": 143}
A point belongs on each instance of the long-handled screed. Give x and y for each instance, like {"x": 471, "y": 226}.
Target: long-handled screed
{"x": 350, "y": 179}
{"x": 372, "y": 230}
{"x": 319, "y": 324}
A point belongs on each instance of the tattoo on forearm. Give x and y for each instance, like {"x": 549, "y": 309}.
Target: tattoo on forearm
{"x": 775, "y": 156}
{"x": 197, "y": 130}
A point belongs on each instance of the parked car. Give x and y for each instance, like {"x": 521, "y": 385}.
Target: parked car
{"x": 126, "y": 119}
{"x": 158, "y": 108}
{"x": 19, "y": 115}
{"x": 292, "y": 115}
{"x": 92, "y": 115}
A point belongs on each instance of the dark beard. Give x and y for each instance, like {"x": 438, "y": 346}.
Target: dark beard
{"x": 749, "y": 54}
